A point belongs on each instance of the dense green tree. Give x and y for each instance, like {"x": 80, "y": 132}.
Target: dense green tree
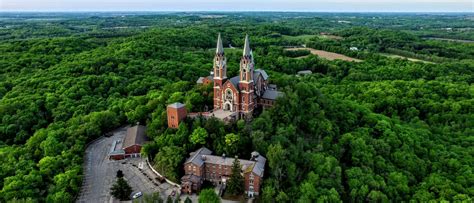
{"x": 121, "y": 190}
{"x": 167, "y": 160}
{"x": 276, "y": 161}
{"x": 199, "y": 136}
{"x": 231, "y": 142}
{"x": 208, "y": 196}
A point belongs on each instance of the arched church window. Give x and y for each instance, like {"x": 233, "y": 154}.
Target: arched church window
{"x": 228, "y": 95}
{"x": 244, "y": 74}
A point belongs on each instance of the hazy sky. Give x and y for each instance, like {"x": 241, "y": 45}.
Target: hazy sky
{"x": 239, "y": 5}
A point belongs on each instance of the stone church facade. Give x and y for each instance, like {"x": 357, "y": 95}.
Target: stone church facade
{"x": 243, "y": 93}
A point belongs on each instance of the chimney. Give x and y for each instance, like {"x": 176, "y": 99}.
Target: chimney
{"x": 254, "y": 155}
{"x": 203, "y": 157}
{"x": 138, "y": 123}
{"x": 223, "y": 156}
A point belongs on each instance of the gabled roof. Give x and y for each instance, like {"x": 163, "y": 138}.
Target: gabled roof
{"x": 196, "y": 157}
{"x": 304, "y": 72}
{"x": 199, "y": 80}
{"x": 226, "y": 161}
{"x": 176, "y": 105}
{"x": 191, "y": 178}
{"x": 117, "y": 152}
{"x": 135, "y": 136}
{"x": 203, "y": 155}
{"x": 272, "y": 94}
{"x": 261, "y": 72}
{"x": 259, "y": 167}
{"x": 235, "y": 81}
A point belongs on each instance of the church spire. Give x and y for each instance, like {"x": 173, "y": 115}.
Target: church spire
{"x": 220, "y": 48}
{"x": 247, "y": 50}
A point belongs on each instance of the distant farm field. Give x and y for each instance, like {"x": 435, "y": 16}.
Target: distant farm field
{"x": 299, "y": 37}
{"x": 308, "y": 37}
{"x": 450, "y": 40}
{"x": 403, "y": 57}
{"x": 325, "y": 54}
{"x": 333, "y": 37}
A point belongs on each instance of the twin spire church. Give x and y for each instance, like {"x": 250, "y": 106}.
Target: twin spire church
{"x": 240, "y": 95}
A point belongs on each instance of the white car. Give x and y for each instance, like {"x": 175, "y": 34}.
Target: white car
{"x": 137, "y": 195}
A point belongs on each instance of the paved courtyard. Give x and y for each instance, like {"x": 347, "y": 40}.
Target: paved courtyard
{"x": 99, "y": 172}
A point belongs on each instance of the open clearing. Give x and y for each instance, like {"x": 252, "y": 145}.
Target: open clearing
{"x": 450, "y": 40}
{"x": 403, "y": 57}
{"x": 325, "y": 54}
{"x": 329, "y": 36}
{"x": 299, "y": 37}
{"x": 308, "y": 37}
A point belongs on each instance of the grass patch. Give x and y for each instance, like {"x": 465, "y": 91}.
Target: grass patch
{"x": 326, "y": 54}
{"x": 239, "y": 198}
{"x": 403, "y": 57}
{"x": 299, "y": 37}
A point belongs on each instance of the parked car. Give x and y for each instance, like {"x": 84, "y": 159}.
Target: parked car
{"x": 137, "y": 195}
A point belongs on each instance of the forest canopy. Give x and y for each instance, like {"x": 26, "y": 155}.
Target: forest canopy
{"x": 383, "y": 129}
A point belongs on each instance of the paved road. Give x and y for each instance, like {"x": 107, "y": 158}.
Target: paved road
{"x": 99, "y": 172}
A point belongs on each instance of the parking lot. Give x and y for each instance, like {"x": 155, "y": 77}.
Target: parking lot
{"x": 100, "y": 172}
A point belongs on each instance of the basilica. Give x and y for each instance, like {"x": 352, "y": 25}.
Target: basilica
{"x": 240, "y": 95}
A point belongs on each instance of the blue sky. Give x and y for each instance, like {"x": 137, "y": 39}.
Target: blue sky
{"x": 240, "y": 5}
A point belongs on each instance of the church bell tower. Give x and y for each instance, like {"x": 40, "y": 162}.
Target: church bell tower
{"x": 246, "y": 79}
{"x": 220, "y": 73}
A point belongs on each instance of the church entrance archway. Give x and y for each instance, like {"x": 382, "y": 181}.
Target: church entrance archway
{"x": 227, "y": 106}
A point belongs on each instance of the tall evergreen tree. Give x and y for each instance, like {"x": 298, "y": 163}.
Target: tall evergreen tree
{"x": 187, "y": 200}
{"x": 235, "y": 185}
{"x": 121, "y": 189}
{"x": 119, "y": 174}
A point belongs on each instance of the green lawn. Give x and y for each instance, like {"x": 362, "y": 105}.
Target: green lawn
{"x": 299, "y": 37}
{"x": 403, "y": 57}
